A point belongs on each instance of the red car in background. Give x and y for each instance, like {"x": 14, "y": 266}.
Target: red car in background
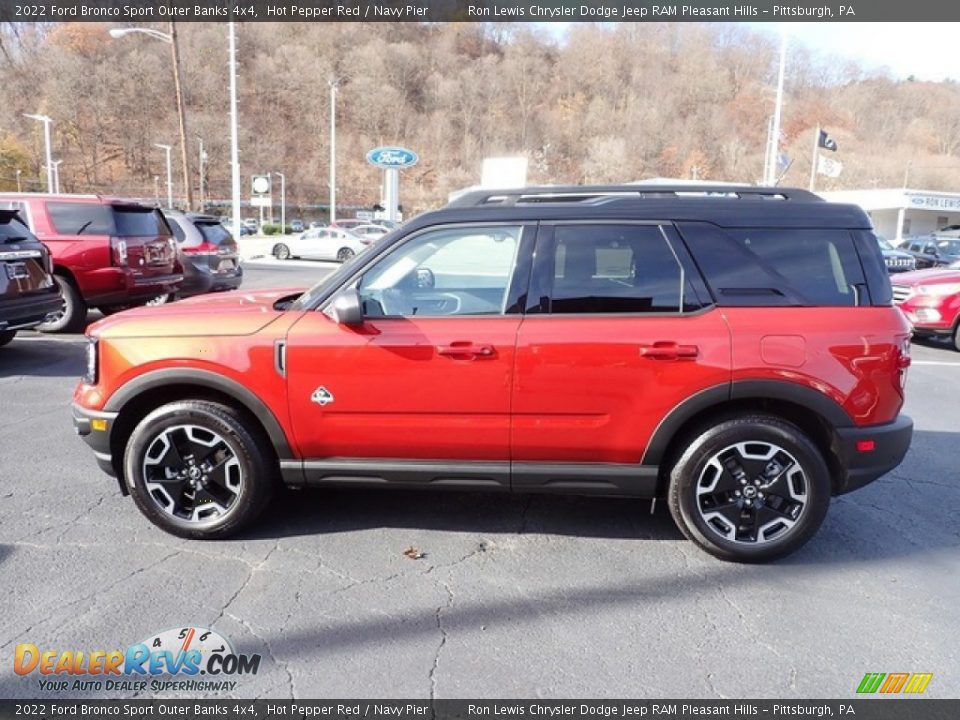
{"x": 931, "y": 301}
{"x": 107, "y": 252}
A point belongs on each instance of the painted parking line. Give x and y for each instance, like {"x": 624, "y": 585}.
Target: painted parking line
{"x": 59, "y": 340}
{"x": 935, "y": 362}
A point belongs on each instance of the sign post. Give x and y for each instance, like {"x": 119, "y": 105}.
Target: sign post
{"x": 391, "y": 160}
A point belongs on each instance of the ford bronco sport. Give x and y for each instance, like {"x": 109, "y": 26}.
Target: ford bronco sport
{"x": 735, "y": 350}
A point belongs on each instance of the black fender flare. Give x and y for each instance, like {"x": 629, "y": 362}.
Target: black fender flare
{"x": 205, "y": 379}
{"x": 815, "y": 401}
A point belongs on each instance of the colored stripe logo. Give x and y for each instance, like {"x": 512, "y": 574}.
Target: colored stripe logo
{"x": 894, "y": 683}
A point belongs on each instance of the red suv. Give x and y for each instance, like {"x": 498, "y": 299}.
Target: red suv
{"x": 931, "y": 301}
{"x": 735, "y": 350}
{"x": 107, "y": 253}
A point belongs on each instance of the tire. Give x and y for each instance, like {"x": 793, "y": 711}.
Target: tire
{"x": 956, "y": 337}
{"x": 7, "y": 337}
{"x": 281, "y": 252}
{"x": 777, "y": 500}
{"x": 344, "y": 254}
{"x": 73, "y": 318}
{"x": 223, "y": 500}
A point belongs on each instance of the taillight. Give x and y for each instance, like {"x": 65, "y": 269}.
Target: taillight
{"x": 119, "y": 251}
{"x": 204, "y": 248}
{"x": 903, "y": 361}
{"x": 47, "y": 261}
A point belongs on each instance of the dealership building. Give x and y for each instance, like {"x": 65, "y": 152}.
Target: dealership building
{"x": 900, "y": 213}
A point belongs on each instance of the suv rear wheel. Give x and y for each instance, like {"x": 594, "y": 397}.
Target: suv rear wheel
{"x": 195, "y": 469}
{"x": 750, "y": 489}
{"x": 72, "y": 317}
{"x": 7, "y": 337}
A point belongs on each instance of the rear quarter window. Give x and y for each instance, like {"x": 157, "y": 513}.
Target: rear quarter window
{"x": 74, "y": 218}
{"x": 781, "y": 266}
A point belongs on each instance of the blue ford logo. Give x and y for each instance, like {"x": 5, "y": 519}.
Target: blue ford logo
{"x": 392, "y": 157}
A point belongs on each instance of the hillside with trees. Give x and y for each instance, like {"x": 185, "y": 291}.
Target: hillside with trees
{"x": 602, "y": 104}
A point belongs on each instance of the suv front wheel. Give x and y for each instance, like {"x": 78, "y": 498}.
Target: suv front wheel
{"x": 750, "y": 489}
{"x": 196, "y": 470}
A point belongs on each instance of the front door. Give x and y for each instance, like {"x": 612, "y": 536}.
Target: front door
{"x": 420, "y": 392}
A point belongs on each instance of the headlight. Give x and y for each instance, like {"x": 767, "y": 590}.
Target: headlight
{"x": 92, "y": 356}
{"x": 939, "y": 290}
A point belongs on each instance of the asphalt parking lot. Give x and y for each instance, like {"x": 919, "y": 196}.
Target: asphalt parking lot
{"x": 513, "y": 597}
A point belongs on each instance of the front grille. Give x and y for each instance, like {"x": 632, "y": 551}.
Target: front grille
{"x": 900, "y": 293}
{"x": 899, "y": 263}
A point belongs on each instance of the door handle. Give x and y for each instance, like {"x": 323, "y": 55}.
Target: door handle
{"x": 669, "y": 350}
{"x": 466, "y": 350}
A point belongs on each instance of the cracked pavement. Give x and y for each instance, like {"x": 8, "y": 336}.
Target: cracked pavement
{"x": 514, "y": 596}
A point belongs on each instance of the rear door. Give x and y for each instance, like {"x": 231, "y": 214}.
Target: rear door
{"x": 618, "y": 332}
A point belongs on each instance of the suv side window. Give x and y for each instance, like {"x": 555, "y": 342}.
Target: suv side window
{"x": 761, "y": 267}
{"x": 451, "y": 271}
{"x": 610, "y": 268}
{"x": 73, "y": 218}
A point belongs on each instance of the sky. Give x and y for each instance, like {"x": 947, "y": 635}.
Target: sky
{"x": 924, "y": 50}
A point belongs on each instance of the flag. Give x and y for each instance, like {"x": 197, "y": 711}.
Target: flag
{"x": 783, "y": 162}
{"x": 826, "y": 142}
{"x": 829, "y": 167}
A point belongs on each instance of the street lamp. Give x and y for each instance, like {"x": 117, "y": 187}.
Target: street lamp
{"x": 334, "y": 84}
{"x": 56, "y": 176}
{"x": 167, "y": 149}
{"x": 283, "y": 202}
{"x": 46, "y": 140}
{"x": 234, "y": 142}
{"x": 773, "y": 149}
{"x": 201, "y": 160}
{"x": 171, "y": 39}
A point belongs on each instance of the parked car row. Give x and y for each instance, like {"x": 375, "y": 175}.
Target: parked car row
{"x": 90, "y": 251}
{"x": 340, "y": 241}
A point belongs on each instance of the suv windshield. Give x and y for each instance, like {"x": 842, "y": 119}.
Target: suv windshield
{"x": 884, "y": 243}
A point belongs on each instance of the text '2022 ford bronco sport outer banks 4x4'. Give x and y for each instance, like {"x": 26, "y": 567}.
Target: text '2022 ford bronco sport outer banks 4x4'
{"x": 733, "y": 349}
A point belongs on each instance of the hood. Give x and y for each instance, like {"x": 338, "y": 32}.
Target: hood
{"x": 218, "y": 314}
{"x": 933, "y": 276}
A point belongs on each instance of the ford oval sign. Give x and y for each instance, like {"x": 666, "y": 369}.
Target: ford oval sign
{"x": 392, "y": 157}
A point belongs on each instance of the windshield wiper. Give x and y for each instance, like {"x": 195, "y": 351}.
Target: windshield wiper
{"x": 16, "y": 238}
{"x": 83, "y": 227}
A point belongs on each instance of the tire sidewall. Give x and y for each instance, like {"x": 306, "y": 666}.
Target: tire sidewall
{"x": 686, "y": 474}
{"x": 255, "y": 490}
{"x": 74, "y": 311}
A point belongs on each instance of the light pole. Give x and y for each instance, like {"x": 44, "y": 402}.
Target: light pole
{"x": 171, "y": 39}
{"x": 46, "y": 141}
{"x": 167, "y": 149}
{"x": 56, "y": 176}
{"x": 283, "y": 203}
{"x": 201, "y": 160}
{"x": 234, "y": 142}
{"x": 334, "y": 84}
{"x": 771, "y": 178}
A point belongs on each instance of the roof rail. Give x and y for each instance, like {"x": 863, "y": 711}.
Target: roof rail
{"x": 584, "y": 193}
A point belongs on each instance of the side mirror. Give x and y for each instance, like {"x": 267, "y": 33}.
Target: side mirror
{"x": 346, "y": 308}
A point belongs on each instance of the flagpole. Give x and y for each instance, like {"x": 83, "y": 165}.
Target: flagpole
{"x": 813, "y": 162}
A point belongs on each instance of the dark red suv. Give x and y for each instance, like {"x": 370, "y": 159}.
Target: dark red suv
{"x": 735, "y": 350}
{"x": 108, "y": 253}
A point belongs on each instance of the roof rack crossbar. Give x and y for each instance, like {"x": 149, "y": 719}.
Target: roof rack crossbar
{"x": 561, "y": 193}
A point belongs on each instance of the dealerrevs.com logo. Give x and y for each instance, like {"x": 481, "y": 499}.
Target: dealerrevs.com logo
{"x": 186, "y": 653}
